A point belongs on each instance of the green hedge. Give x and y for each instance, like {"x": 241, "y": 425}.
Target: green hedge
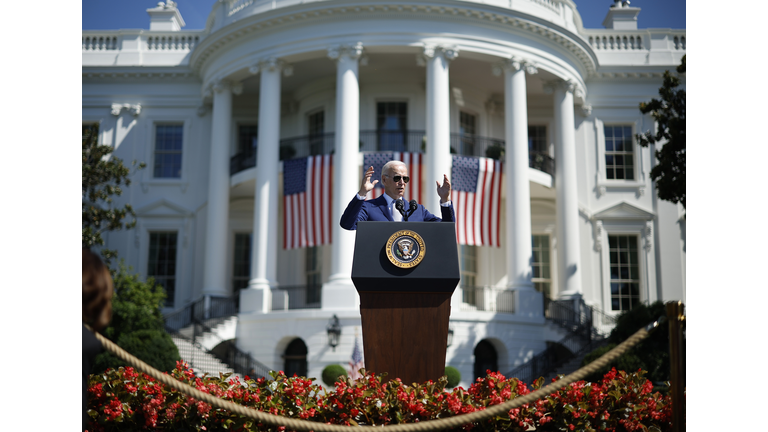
{"x": 331, "y": 374}
{"x": 453, "y": 375}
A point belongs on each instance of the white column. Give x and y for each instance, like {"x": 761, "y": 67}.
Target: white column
{"x": 438, "y": 161}
{"x": 568, "y": 248}
{"x": 339, "y": 292}
{"x": 217, "y": 218}
{"x": 257, "y": 297}
{"x": 518, "y": 203}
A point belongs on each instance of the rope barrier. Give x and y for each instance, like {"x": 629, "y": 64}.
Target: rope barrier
{"x": 431, "y": 425}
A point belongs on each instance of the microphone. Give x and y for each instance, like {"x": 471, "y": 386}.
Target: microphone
{"x": 414, "y": 205}
{"x": 401, "y": 209}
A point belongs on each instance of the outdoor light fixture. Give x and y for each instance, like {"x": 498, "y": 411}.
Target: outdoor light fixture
{"x": 450, "y": 336}
{"x": 334, "y": 331}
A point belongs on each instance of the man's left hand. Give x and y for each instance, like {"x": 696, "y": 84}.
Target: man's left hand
{"x": 444, "y": 190}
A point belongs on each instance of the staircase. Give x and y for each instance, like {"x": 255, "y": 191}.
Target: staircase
{"x": 573, "y": 364}
{"x": 583, "y": 337}
{"x": 204, "y": 362}
{"x": 204, "y": 332}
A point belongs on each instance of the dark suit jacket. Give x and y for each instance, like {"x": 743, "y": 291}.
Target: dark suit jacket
{"x": 376, "y": 210}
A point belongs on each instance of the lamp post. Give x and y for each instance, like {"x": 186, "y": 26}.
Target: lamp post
{"x": 334, "y": 331}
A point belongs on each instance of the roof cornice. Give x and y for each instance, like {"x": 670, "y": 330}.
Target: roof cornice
{"x": 476, "y": 12}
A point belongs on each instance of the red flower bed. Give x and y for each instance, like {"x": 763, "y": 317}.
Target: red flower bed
{"x": 121, "y": 400}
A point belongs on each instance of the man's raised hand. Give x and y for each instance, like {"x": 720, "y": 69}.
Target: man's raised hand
{"x": 444, "y": 190}
{"x": 367, "y": 185}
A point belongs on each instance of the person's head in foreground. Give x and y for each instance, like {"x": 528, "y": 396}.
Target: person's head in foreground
{"x": 97, "y": 291}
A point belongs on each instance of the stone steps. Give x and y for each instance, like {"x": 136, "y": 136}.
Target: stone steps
{"x": 199, "y": 359}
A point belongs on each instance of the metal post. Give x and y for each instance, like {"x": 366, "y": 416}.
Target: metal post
{"x": 676, "y": 317}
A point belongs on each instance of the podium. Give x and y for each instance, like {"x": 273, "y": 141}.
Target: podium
{"x": 405, "y": 283}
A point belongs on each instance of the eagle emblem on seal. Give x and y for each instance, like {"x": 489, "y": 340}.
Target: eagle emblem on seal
{"x": 405, "y": 249}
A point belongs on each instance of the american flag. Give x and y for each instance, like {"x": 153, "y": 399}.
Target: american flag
{"x": 357, "y": 360}
{"x": 415, "y": 169}
{"x": 476, "y": 195}
{"x": 307, "y": 195}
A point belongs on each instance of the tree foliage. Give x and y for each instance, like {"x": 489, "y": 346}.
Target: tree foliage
{"x": 652, "y": 354}
{"x": 103, "y": 177}
{"x": 137, "y": 324}
{"x": 669, "y": 114}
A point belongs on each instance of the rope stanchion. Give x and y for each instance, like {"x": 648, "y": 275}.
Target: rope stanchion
{"x": 430, "y": 425}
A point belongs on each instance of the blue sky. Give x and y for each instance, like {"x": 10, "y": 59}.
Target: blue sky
{"x": 122, "y": 14}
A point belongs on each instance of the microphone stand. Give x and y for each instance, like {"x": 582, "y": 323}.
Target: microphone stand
{"x": 401, "y": 209}
{"x": 413, "y": 206}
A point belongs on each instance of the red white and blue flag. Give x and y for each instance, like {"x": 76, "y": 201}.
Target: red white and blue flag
{"x": 476, "y": 195}
{"x": 415, "y": 171}
{"x": 357, "y": 360}
{"x": 307, "y": 196}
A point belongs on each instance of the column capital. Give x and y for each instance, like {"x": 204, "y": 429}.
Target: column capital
{"x": 354, "y": 51}
{"x": 567, "y": 85}
{"x": 514, "y": 64}
{"x": 271, "y": 64}
{"x": 430, "y": 51}
{"x": 219, "y": 85}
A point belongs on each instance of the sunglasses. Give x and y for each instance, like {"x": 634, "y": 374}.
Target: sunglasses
{"x": 397, "y": 178}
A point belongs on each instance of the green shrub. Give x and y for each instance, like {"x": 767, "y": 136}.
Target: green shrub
{"x": 652, "y": 354}
{"x": 453, "y": 375}
{"x": 155, "y": 347}
{"x": 331, "y": 373}
{"x": 627, "y": 362}
{"x": 137, "y": 324}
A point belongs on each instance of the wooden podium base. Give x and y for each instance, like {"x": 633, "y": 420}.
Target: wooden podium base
{"x": 405, "y": 334}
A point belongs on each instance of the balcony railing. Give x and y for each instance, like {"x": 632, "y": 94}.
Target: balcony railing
{"x": 413, "y": 141}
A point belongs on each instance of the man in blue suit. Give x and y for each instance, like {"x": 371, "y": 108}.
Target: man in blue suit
{"x": 394, "y": 177}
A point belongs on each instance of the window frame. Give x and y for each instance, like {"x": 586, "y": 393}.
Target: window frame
{"x": 155, "y": 151}
{"x": 604, "y": 184}
{"x": 148, "y": 177}
{"x": 232, "y": 276}
{"x": 552, "y": 269}
{"x": 630, "y": 280}
{"x": 403, "y": 130}
{"x": 181, "y": 222}
{"x": 633, "y": 226}
{"x": 236, "y": 134}
{"x": 176, "y": 262}
{"x": 313, "y": 137}
{"x": 468, "y": 296}
{"x": 470, "y": 138}
{"x": 317, "y": 271}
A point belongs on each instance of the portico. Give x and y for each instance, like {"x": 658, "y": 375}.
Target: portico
{"x": 509, "y": 77}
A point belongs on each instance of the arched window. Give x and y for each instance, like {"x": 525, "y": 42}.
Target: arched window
{"x": 485, "y": 358}
{"x": 295, "y": 358}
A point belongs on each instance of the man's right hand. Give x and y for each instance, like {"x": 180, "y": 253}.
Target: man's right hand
{"x": 367, "y": 185}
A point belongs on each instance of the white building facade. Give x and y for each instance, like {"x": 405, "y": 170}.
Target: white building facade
{"x": 216, "y": 112}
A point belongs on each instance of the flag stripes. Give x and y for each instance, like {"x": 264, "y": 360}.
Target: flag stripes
{"x": 476, "y": 196}
{"x": 307, "y": 194}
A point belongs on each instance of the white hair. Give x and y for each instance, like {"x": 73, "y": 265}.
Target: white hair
{"x": 387, "y": 168}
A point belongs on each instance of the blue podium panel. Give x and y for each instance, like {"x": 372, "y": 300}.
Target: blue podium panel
{"x": 436, "y": 272}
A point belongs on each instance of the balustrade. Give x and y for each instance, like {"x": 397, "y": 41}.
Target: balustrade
{"x": 172, "y": 42}
{"x": 396, "y": 141}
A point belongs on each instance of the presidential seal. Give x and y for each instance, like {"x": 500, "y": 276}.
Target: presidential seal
{"x": 405, "y": 249}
